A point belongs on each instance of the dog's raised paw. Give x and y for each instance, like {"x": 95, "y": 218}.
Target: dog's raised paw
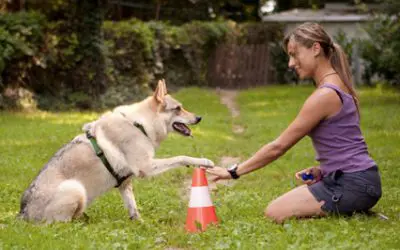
{"x": 207, "y": 162}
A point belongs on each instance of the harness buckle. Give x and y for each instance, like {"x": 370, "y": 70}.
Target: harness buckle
{"x": 88, "y": 135}
{"x": 100, "y": 153}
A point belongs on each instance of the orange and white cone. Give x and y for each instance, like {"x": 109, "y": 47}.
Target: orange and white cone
{"x": 201, "y": 211}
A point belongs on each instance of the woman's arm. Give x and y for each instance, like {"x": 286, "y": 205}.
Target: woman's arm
{"x": 321, "y": 104}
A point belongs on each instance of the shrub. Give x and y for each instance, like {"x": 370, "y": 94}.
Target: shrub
{"x": 21, "y": 40}
{"x": 382, "y": 51}
{"x": 136, "y": 54}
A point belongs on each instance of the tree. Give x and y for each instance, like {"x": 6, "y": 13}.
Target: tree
{"x": 181, "y": 11}
{"x": 90, "y": 77}
{"x": 282, "y": 5}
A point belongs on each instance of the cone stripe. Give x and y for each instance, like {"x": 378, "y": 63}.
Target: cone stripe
{"x": 200, "y": 197}
{"x": 199, "y": 178}
{"x": 200, "y": 216}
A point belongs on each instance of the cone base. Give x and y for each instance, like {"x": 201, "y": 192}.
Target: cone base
{"x": 200, "y": 216}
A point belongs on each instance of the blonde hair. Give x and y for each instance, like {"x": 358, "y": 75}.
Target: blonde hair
{"x": 307, "y": 34}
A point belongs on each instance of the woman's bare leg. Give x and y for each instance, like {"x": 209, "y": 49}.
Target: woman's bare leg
{"x": 298, "y": 202}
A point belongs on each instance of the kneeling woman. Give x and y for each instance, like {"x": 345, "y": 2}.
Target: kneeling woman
{"x": 347, "y": 179}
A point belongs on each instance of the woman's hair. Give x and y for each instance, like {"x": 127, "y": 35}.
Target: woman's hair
{"x": 307, "y": 34}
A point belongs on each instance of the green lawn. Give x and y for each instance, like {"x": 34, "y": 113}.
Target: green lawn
{"x": 27, "y": 141}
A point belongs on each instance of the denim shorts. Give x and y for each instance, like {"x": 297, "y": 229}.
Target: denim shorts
{"x": 346, "y": 193}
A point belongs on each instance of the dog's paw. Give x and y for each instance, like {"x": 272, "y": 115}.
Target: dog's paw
{"x": 136, "y": 217}
{"x": 206, "y": 162}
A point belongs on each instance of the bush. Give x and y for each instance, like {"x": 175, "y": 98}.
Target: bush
{"x": 185, "y": 50}
{"x": 136, "y": 55}
{"x": 382, "y": 52}
{"x": 21, "y": 40}
{"x": 20, "y": 36}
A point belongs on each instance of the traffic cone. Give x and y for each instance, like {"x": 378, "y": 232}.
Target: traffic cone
{"x": 201, "y": 211}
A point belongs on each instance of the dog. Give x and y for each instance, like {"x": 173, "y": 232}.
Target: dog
{"x": 117, "y": 147}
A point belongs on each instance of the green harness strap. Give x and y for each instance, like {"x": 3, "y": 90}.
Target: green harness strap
{"x": 103, "y": 158}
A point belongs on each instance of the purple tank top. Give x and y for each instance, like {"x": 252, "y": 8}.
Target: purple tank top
{"x": 338, "y": 140}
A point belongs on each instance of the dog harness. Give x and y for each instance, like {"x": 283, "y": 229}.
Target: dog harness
{"x": 99, "y": 152}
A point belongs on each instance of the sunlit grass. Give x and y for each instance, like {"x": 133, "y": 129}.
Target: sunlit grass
{"x": 28, "y": 141}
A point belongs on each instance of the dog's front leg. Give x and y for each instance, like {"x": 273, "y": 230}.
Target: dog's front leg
{"x": 159, "y": 166}
{"x": 129, "y": 199}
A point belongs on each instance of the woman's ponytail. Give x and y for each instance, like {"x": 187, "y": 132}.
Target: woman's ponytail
{"x": 341, "y": 65}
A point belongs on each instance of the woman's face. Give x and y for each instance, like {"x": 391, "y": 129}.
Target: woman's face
{"x": 301, "y": 59}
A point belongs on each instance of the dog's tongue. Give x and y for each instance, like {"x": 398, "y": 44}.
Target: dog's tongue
{"x": 182, "y": 128}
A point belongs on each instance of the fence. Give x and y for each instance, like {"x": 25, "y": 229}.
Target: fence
{"x": 239, "y": 66}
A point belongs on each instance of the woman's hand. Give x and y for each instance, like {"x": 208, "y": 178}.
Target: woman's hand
{"x": 315, "y": 171}
{"x": 219, "y": 173}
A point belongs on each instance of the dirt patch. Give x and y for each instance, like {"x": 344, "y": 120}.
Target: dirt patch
{"x": 228, "y": 98}
{"x": 237, "y": 129}
{"x": 225, "y": 161}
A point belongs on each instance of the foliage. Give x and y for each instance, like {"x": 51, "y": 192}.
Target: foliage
{"x": 283, "y": 5}
{"x": 21, "y": 39}
{"x": 352, "y": 49}
{"x": 58, "y": 10}
{"x": 129, "y": 52}
{"x": 90, "y": 75}
{"x": 236, "y": 10}
{"x": 81, "y": 71}
{"x": 185, "y": 50}
{"x": 179, "y": 12}
{"x": 28, "y": 141}
{"x": 382, "y": 52}
{"x": 129, "y": 45}
{"x": 390, "y": 7}
{"x": 20, "y": 36}
{"x": 280, "y": 60}
{"x": 346, "y": 44}
{"x": 258, "y": 33}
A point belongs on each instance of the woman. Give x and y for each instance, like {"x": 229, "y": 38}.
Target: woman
{"x": 347, "y": 179}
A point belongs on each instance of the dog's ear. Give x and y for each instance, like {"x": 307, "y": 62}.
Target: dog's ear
{"x": 160, "y": 91}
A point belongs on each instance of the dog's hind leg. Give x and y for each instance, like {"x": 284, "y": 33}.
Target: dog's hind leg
{"x": 68, "y": 202}
{"x": 129, "y": 199}
{"x": 159, "y": 166}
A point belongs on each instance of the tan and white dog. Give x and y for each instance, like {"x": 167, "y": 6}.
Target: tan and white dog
{"x": 125, "y": 140}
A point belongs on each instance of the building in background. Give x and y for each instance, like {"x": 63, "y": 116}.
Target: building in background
{"x": 337, "y": 19}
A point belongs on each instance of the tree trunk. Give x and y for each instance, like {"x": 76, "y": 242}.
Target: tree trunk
{"x": 158, "y": 7}
{"x": 90, "y": 78}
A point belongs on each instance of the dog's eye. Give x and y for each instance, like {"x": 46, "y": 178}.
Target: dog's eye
{"x": 178, "y": 108}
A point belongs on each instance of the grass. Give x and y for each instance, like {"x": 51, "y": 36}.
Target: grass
{"x": 28, "y": 140}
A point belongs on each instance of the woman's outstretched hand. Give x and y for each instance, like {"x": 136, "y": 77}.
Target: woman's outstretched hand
{"x": 219, "y": 173}
{"x": 315, "y": 171}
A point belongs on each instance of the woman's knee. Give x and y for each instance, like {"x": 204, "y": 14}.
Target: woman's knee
{"x": 274, "y": 212}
